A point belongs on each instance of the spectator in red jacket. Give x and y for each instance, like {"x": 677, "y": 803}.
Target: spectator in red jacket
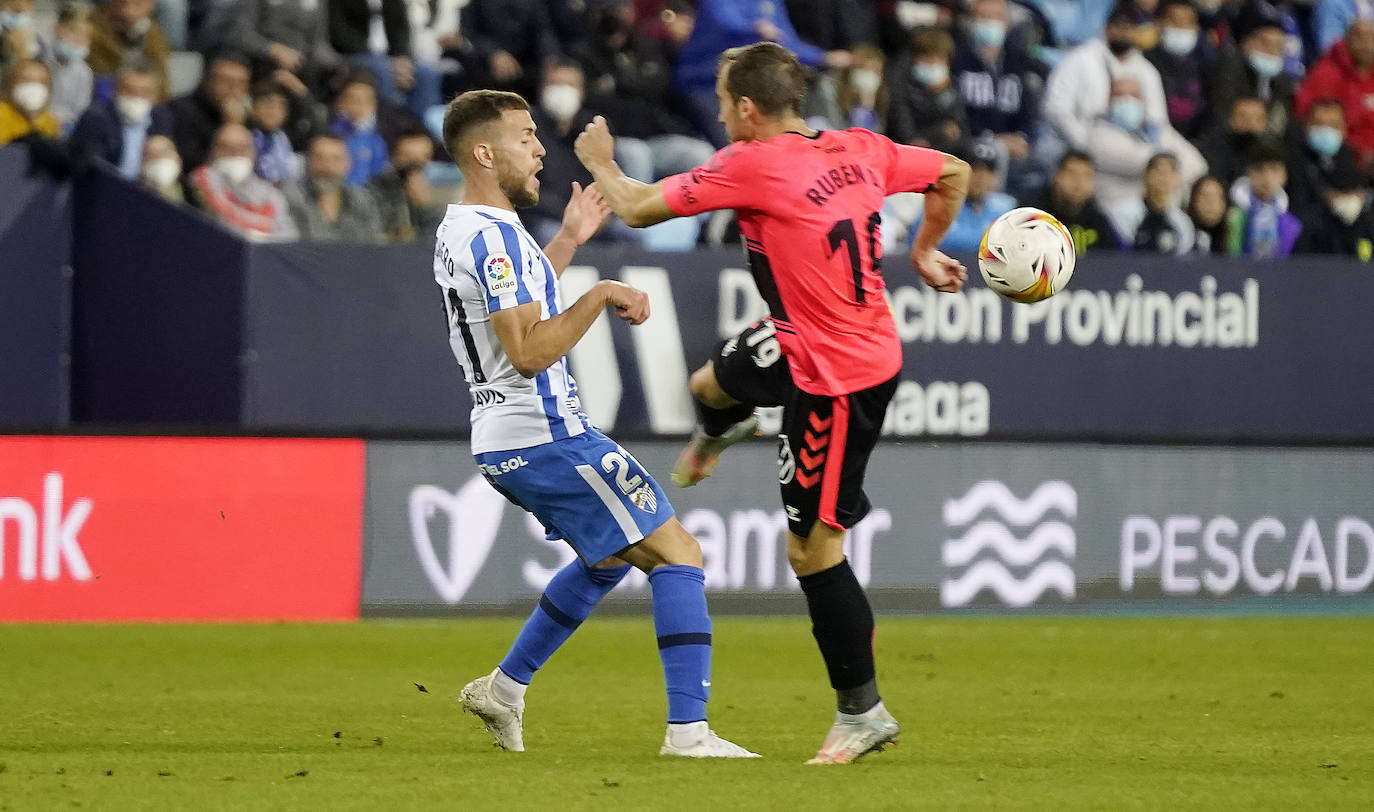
{"x": 1346, "y": 73}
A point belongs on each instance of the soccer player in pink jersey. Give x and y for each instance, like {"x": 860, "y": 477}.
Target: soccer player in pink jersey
{"x": 808, "y": 204}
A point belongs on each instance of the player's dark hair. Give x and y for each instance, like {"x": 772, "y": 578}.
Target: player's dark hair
{"x": 1074, "y": 155}
{"x": 767, "y": 73}
{"x": 474, "y": 109}
{"x": 931, "y": 41}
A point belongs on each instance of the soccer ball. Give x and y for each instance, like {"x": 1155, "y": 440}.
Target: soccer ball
{"x": 1026, "y": 255}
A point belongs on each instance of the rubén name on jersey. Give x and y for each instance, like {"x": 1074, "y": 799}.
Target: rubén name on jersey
{"x": 838, "y": 178}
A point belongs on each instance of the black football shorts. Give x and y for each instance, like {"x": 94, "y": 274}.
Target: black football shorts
{"x": 826, "y": 440}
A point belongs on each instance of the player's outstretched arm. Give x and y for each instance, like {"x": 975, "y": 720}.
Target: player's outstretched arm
{"x": 585, "y": 214}
{"x": 534, "y": 344}
{"x": 638, "y": 204}
{"x": 943, "y": 202}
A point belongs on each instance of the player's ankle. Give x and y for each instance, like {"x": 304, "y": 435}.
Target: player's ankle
{"x": 682, "y": 734}
{"x": 507, "y": 690}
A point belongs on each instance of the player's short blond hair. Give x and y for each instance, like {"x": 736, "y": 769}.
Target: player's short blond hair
{"x": 473, "y": 110}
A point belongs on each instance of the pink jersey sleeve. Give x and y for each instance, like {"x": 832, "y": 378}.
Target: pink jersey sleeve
{"x": 727, "y": 181}
{"x": 913, "y": 169}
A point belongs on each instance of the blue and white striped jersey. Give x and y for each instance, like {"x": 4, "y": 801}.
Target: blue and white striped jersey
{"x": 485, "y": 261}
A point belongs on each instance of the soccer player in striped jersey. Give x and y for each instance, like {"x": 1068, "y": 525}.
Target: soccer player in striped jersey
{"x": 510, "y": 333}
{"x": 808, "y": 204}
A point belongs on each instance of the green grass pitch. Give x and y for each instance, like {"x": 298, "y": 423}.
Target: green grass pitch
{"x": 1029, "y": 712}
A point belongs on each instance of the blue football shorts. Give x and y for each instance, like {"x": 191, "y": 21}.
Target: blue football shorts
{"x": 585, "y": 489}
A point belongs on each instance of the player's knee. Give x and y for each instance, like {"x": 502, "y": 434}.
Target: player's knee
{"x": 706, "y": 389}
{"x": 669, "y": 545}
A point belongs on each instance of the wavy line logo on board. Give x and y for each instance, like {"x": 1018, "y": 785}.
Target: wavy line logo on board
{"x": 1017, "y": 549}
{"x": 473, "y": 515}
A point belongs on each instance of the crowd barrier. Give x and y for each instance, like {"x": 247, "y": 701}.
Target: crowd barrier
{"x": 178, "y": 323}
{"x": 153, "y": 528}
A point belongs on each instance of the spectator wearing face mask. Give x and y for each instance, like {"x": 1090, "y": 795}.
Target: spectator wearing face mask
{"x": 221, "y": 98}
{"x": 1340, "y": 222}
{"x": 1346, "y": 74}
{"x": 355, "y": 121}
{"x": 1156, "y": 221}
{"x": 1259, "y": 224}
{"x": 227, "y": 190}
{"x": 1256, "y": 68}
{"x": 161, "y": 169}
{"x": 1207, "y": 211}
{"x": 1078, "y": 93}
{"x": 72, "y": 79}
{"x": 324, "y": 206}
{"x": 410, "y": 209}
{"x": 1001, "y": 91}
{"x": 24, "y": 111}
{"x": 115, "y": 131}
{"x": 924, "y": 107}
{"x": 18, "y": 39}
{"x": 853, "y": 97}
{"x": 1227, "y": 146}
{"x": 276, "y": 160}
{"x": 1122, "y": 143}
{"x": 1320, "y": 157}
{"x": 1177, "y": 58}
{"x": 1070, "y": 198}
{"x": 125, "y": 33}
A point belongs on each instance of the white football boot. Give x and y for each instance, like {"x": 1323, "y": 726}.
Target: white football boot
{"x": 698, "y": 740}
{"x": 702, "y": 453}
{"x": 504, "y": 722}
{"x": 854, "y": 735}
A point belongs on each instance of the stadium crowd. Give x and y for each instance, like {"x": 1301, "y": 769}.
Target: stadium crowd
{"x": 1237, "y": 127}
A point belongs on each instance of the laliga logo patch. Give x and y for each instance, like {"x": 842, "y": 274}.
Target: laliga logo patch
{"x": 476, "y": 511}
{"x": 644, "y": 499}
{"x": 500, "y": 274}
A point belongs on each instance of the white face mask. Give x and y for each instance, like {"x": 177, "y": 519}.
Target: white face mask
{"x": 1348, "y": 207}
{"x": 162, "y": 172}
{"x": 133, "y": 110}
{"x": 30, "y": 96}
{"x": 237, "y": 169}
{"x": 561, "y": 101}
{"x": 865, "y": 82}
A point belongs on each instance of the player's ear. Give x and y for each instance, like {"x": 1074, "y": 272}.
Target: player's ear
{"x": 484, "y": 154}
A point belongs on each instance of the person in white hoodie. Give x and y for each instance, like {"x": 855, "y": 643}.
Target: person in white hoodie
{"x": 1106, "y": 99}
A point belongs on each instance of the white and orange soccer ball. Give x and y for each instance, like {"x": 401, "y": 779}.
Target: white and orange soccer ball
{"x": 1026, "y": 255}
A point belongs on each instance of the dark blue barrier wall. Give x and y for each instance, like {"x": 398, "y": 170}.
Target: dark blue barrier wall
{"x": 159, "y": 310}
{"x": 179, "y": 322}
{"x": 35, "y": 294}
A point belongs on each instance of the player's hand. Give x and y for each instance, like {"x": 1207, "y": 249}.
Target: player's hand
{"x": 585, "y": 214}
{"x": 631, "y": 304}
{"x": 595, "y": 145}
{"x": 941, "y": 272}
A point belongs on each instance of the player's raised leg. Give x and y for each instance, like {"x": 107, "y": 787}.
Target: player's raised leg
{"x": 746, "y": 371}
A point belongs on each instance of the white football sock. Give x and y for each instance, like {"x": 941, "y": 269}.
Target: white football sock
{"x": 507, "y": 691}
{"x": 683, "y": 734}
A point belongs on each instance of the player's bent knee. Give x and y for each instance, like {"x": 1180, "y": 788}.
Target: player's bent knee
{"x": 669, "y": 545}
{"x": 706, "y": 388}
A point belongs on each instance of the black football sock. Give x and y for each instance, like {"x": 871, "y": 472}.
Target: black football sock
{"x": 715, "y": 422}
{"x": 842, "y": 623}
